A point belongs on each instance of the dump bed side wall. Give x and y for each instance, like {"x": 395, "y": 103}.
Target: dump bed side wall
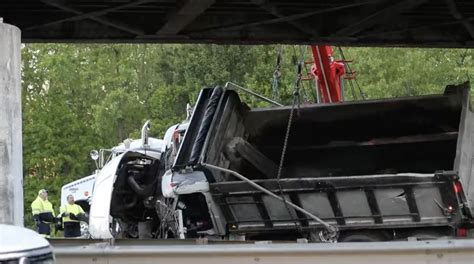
{"x": 464, "y": 152}
{"x": 227, "y": 124}
{"x": 368, "y": 202}
{"x": 385, "y": 136}
{"x": 184, "y": 151}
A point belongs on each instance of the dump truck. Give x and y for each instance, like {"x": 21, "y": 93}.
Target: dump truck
{"x": 374, "y": 170}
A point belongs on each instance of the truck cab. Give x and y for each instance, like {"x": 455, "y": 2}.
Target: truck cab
{"x": 126, "y": 187}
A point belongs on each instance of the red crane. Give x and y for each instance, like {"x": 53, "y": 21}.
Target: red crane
{"x": 328, "y": 73}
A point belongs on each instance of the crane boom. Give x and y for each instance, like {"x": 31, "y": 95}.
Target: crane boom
{"x": 328, "y": 74}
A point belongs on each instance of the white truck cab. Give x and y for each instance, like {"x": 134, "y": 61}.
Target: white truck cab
{"x": 111, "y": 180}
{"x": 142, "y": 152}
{"x": 100, "y": 183}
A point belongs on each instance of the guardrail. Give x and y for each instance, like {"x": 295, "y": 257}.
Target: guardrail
{"x": 71, "y": 242}
{"x": 442, "y": 251}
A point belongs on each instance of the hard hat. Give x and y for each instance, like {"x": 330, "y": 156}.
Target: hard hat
{"x": 42, "y": 191}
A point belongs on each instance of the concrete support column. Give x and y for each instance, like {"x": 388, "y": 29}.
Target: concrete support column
{"x": 11, "y": 161}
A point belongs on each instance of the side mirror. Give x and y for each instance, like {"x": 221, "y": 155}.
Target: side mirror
{"x": 94, "y": 154}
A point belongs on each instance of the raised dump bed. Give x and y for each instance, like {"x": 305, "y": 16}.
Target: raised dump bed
{"x": 382, "y": 169}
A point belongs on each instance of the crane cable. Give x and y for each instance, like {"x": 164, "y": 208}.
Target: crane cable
{"x": 276, "y": 80}
{"x": 331, "y": 233}
{"x": 348, "y": 68}
{"x": 314, "y": 92}
{"x": 296, "y": 103}
{"x": 306, "y": 97}
{"x": 302, "y": 57}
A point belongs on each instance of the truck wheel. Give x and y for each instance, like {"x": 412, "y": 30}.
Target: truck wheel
{"x": 362, "y": 237}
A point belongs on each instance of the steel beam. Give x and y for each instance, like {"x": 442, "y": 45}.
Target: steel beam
{"x": 184, "y": 16}
{"x": 274, "y": 10}
{"x": 282, "y": 19}
{"x": 91, "y": 15}
{"x": 115, "y": 24}
{"x": 386, "y": 14}
{"x": 459, "y": 17}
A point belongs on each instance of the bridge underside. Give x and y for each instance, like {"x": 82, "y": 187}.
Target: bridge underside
{"x": 422, "y": 23}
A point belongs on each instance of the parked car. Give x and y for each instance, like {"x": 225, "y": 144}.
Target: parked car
{"x": 21, "y": 245}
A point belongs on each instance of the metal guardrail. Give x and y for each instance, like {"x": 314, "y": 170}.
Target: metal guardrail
{"x": 442, "y": 251}
{"x": 75, "y": 242}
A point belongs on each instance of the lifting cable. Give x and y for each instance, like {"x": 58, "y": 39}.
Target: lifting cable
{"x": 276, "y": 80}
{"x": 348, "y": 68}
{"x": 296, "y": 102}
{"x": 314, "y": 92}
{"x": 331, "y": 231}
{"x": 302, "y": 57}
